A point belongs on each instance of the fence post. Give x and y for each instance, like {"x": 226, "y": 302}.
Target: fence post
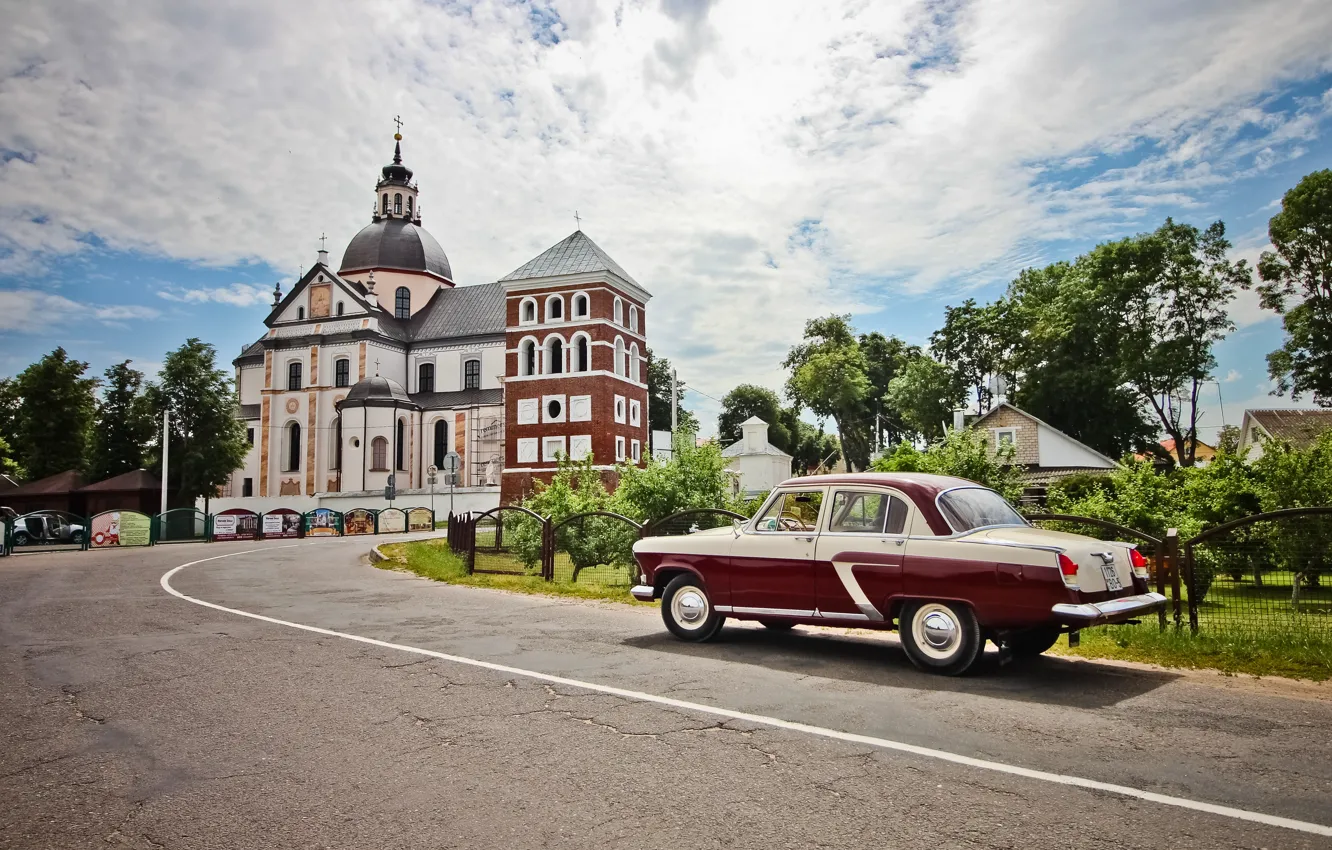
{"x": 1191, "y": 585}
{"x": 1170, "y": 564}
{"x": 470, "y": 536}
{"x": 547, "y": 550}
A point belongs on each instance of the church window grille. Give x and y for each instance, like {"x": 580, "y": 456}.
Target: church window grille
{"x": 554, "y": 356}
{"x": 379, "y": 455}
{"x": 294, "y": 375}
{"x": 342, "y": 372}
{"x": 402, "y": 303}
{"x": 472, "y": 375}
{"x": 425, "y": 378}
{"x": 441, "y": 443}
{"x": 385, "y": 208}
{"x": 293, "y": 447}
{"x": 580, "y": 306}
{"x": 400, "y": 453}
{"x": 397, "y": 203}
{"x": 580, "y": 354}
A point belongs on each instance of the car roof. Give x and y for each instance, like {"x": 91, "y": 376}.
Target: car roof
{"x": 919, "y": 487}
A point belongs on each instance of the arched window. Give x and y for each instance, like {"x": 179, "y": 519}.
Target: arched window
{"x": 441, "y": 443}
{"x": 619, "y": 356}
{"x": 582, "y": 360}
{"x": 633, "y": 318}
{"x": 400, "y": 452}
{"x": 402, "y": 303}
{"x": 335, "y": 462}
{"x": 379, "y": 455}
{"x": 385, "y": 209}
{"x": 342, "y": 372}
{"x": 340, "y": 308}
{"x": 619, "y": 311}
{"x": 300, "y": 313}
{"x": 294, "y": 375}
{"x": 409, "y": 206}
{"x": 633, "y": 362}
{"x": 527, "y": 313}
{"x": 293, "y": 447}
{"x": 425, "y": 378}
{"x": 527, "y": 357}
{"x": 555, "y": 309}
{"x": 472, "y": 375}
{"x": 397, "y": 203}
{"x": 580, "y": 306}
{"x": 554, "y": 356}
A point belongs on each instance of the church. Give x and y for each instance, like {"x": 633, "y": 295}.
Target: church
{"x": 382, "y": 367}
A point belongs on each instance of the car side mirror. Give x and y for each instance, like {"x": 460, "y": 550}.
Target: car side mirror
{"x": 736, "y": 525}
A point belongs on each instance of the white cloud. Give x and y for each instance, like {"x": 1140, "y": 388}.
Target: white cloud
{"x": 28, "y": 310}
{"x": 236, "y": 294}
{"x": 923, "y": 147}
{"x": 1232, "y": 376}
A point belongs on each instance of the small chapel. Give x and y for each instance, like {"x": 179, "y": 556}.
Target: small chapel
{"x": 382, "y": 366}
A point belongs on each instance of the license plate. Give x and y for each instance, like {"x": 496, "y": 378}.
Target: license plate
{"x": 1111, "y": 577}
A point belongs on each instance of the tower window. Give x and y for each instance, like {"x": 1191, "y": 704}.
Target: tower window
{"x": 340, "y": 308}
{"x": 554, "y": 309}
{"x": 294, "y": 375}
{"x": 402, "y": 303}
{"x": 342, "y": 372}
{"x": 619, "y": 311}
{"x": 441, "y": 443}
{"x": 335, "y": 462}
{"x": 249, "y": 436}
{"x": 293, "y": 447}
{"x": 409, "y": 206}
{"x": 633, "y": 361}
{"x": 300, "y": 313}
{"x": 554, "y": 356}
{"x": 400, "y": 453}
{"x": 379, "y": 455}
{"x": 633, "y": 318}
{"x": 385, "y": 208}
{"x": 619, "y": 356}
{"x": 425, "y": 378}
{"x": 472, "y": 375}
{"x": 580, "y": 306}
{"x": 527, "y": 314}
{"x": 527, "y": 357}
{"x": 581, "y": 361}
{"x": 397, "y": 203}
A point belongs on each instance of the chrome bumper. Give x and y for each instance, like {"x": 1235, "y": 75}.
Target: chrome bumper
{"x": 1110, "y": 611}
{"x": 643, "y": 592}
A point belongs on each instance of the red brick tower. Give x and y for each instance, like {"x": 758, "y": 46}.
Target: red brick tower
{"x": 576, "y": 375}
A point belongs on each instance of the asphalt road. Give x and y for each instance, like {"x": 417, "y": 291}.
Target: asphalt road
{"x": 134, "y": 718}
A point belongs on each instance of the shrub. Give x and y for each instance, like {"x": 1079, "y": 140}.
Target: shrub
{"x": 964, "y": 454}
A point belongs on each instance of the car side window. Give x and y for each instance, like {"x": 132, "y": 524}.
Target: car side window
{"x": 867, "y": 512}
{"x": 797, "y": 510}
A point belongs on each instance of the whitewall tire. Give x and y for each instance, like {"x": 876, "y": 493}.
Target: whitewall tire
{"x": 940, "y": 637}
{"x": 687, "y": 610}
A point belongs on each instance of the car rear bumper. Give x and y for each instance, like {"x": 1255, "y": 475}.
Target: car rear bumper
{"x": 1110, "y": 611}
{"x": 643, "y": 592}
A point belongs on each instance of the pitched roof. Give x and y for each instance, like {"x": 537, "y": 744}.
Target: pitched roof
{"x": 135, "y": 479}
{"x": 460, "y": 311}
{"x": 753, "y": 420}
{"x": 1019, "y": 411}
{"x": 61, "y": 482}
{"x": 1300, "y": 428}
{"x": 576, "y": 254}
{"x": 458, "y": 398}
{"x": 737, "y": 449}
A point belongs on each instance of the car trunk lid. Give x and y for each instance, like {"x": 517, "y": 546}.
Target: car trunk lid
{"x": 1103, "y": 565}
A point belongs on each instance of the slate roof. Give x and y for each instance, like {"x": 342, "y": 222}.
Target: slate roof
{"x": 137, "y": 479}
{"x": 577, "y": 254}
{"x": 248, "y": 411}
{"x": 375, "y": 388}
{"x": 395, "y": 243}
{"x": 1300, "y": 428}
{"x": 460, "y": 398}
{"x": 254, "y": 348}
{"x": 461, "y": 311}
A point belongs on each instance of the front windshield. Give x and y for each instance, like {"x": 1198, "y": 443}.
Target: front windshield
{"x": 974, "y": 507}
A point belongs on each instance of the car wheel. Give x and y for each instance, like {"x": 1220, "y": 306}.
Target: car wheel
{"x": 21, "y": 539}
{"x": 778, "y": 625}
{"x": 76, "y": 537}
{"x": 1033, "y": 642}
{"x": 687, "y": 610}
{"x": 941, "y": 637}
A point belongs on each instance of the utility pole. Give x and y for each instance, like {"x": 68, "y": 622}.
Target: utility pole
{"x": 673, "y": 396}
{"x": 166, "y": 445}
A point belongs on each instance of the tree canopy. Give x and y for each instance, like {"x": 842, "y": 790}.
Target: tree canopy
{"x": 125, "y": 424}
{"x": 659, "y": 398}
{"x": 54, "y": 417}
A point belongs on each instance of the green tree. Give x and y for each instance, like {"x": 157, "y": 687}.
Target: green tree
{"x": 885, "y": 359}
{"x": 749, "y": 400}
{"x": 53, "y": 425}
{"x": 976, "y": 342}
{"x": 813, "y": 448}
{"x": 575, "y": 488}
{"x": 10, "y": 402}
{"x": 925, "y": 395}
{"x": 1301, "y": 270}
{"x": 694, "y": 477}
{"x": 829, "y": 375}
{"x": 963, "y": 454}
{"x": 207, "y": 440}
{"x": 659, "y": 398}
{"x": 125, "y": 424}
{"x": 8, "y": 465}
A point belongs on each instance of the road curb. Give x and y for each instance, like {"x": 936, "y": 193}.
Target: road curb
{"x": 377, "y": 556}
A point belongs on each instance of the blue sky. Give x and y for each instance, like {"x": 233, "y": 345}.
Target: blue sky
{"x": 753, "y": 165}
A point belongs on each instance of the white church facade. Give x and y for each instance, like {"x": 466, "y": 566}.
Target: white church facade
{"x": 382, "y": 367}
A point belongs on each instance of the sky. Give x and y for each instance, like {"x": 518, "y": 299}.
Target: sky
{"x": 752, "y": 164}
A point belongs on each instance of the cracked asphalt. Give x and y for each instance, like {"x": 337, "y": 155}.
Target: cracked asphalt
{"x": 132, "y": 718}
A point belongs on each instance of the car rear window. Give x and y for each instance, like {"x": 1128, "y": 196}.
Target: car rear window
{"x": 975, "y": 507}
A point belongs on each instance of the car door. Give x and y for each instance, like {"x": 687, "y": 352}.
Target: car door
{"x": 772, "y": 561}
{"x": 860, "y": 552}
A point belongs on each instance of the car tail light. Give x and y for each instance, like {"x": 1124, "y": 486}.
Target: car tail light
{"x": 1139, "y": 563}
{"x": 1068, "y": 568}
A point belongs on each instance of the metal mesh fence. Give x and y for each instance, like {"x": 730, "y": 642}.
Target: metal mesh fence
{"x": 595, "y": 549}
{"x": 1268, "y": 577}
{"x": 507, "y": 542}
{"x": 689, "y": 522}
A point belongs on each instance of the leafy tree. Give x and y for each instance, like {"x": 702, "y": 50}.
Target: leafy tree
{"x": 575, "y": 488}
{"x": 964, "y": 454}
{"x": 125, "y": 424}
{"x": 885, "y": 359}
{"x": 976, "y": 344}
{"x": 694, "y": 477}
{"x": 925, "y": 395}
{"x": 1301, "y": 269}
{"x": 829, "y": 375}
{"x": 749, "y": 400}
{"x": 8, "y": 465}
{"x": 813, "y": 448}
{"x": 9, "y": 410}
{"x": 53, "y": 425}
{"x": 659, "y": 398}
{"x": 207, "y": 440}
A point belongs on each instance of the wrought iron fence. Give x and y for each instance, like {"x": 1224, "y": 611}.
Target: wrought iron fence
{"x": 594, "y": 547}
{"x": 508, "y": 540}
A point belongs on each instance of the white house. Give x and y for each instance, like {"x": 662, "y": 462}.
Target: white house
{"x": 1042, "y": 451}
{"x": 1299, "y": 427}
{"x": 759, "y": 465}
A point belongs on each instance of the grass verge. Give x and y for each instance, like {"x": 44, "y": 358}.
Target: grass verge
{"x": 1291, "y": 655}
{"x": 432, "y": 559}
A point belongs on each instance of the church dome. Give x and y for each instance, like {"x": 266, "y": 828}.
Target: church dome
{"x": 397, "y": 244}
{"x": 376, "y": 391}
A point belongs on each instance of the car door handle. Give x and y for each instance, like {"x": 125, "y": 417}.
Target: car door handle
{"x": 806, "y": 539}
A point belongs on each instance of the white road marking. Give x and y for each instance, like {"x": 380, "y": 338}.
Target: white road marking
{"x": 762, "y": 720}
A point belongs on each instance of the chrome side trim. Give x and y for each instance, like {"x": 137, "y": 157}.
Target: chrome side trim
{"x": 772, "y": 612}
{"x": 853, "y": 588}
{"x": 1110, "y": 608}
{"x": 642, "y": 592}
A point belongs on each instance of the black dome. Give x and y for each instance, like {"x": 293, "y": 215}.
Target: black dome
{"x": 375, "y": 390}
{"x": 395, "y": 243}
{"x": 396, "y": 172}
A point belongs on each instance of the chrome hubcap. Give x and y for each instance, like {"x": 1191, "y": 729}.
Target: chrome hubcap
{"x": 936, "y": 631}
{"x": 690, "y": 607}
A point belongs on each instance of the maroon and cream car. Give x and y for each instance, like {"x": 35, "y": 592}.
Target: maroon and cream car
{"x": 945, "y": 561}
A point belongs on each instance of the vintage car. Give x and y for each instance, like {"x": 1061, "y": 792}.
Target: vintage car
{"x": 946, "y": 562}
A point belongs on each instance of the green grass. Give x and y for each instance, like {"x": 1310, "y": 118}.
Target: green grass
{"x": 1292, "y": 654}
{"x": 432, "y": 559}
